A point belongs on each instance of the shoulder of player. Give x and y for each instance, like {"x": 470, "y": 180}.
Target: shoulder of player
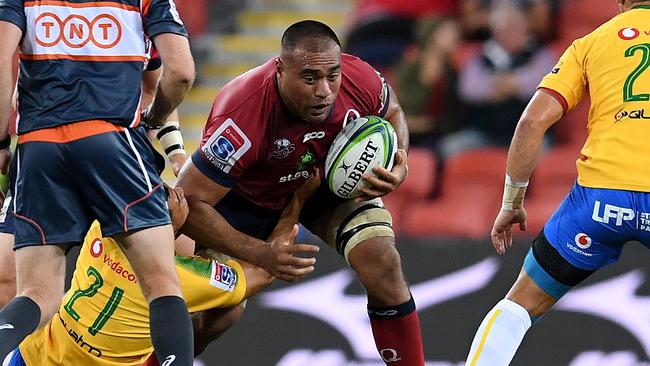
{"x": 610, "y": 28}
{"x": 358, "y": 74}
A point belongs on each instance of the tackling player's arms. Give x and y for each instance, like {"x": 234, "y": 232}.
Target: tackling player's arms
{"x": 205, "y": 225}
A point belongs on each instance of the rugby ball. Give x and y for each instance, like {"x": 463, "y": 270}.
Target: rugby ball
{"x": 362, "y": 144}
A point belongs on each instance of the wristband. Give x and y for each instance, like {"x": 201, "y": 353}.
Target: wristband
{"x": 4, "y": 144}
{"x": 513, "y": 194}
{"x": 171, "y": 139}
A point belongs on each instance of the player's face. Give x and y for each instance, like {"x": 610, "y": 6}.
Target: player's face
{"x": 310, "y": 81}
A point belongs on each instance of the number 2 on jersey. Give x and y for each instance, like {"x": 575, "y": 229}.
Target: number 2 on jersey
{"x": 628, "y": 92}
{"x": 91, "y": 291}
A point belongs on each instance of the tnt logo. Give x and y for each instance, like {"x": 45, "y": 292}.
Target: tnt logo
{"x": 612, "y": 212}
{"x": 76, "y": 31}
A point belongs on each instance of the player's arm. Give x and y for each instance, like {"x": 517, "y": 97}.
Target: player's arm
{"x": 176, "y": 79}
{"x": 169, "y": 135}
{"x": 559, "y": 91}
{"x": 291, "y": 214}
{"x": 540, "y": 114}
{"x": 10, "y": 35}
{"x": 205, "y": 225}
{"x": 387, "y": 181}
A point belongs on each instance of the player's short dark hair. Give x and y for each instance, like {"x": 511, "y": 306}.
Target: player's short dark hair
{"x": 310, "y": 34}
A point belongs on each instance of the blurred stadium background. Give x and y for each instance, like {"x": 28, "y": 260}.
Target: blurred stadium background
{"x": 463, "y": 70}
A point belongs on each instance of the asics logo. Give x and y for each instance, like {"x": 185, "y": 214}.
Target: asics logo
{"x": 6, "y": 326}
{"x": 169, "y": 360}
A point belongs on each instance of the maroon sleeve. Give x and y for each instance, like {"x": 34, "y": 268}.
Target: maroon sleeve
{"x": 368, "y": 85}
{"x": 227, "y": 146}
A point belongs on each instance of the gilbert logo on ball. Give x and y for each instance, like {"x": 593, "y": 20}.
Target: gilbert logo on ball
{"x": 362, "y": 144}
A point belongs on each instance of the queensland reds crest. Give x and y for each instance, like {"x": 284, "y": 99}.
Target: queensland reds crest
{"x": 76, "y": 31}
{"x": 283, "y": 148}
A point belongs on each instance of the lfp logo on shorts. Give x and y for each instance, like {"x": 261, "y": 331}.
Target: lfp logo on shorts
{"x": 612, "y": 212}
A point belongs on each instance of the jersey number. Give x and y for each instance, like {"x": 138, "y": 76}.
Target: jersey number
{"x": 91, "y": 291}
{"x": 628, "y": 93}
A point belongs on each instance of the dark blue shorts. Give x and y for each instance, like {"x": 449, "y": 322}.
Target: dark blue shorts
{"x": 60, "y": 188}
{"x": 592, "y": 225}
{"x": 259, "y": 222}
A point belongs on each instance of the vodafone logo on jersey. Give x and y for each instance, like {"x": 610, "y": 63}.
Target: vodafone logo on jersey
{"x": 76, "y": 31}
{"x": 583, "y": 241}
{"x": 96, "y": 248}
{"x": 629, "y": 33}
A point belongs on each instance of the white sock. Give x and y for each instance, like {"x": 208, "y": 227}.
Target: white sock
{"x": 499, "y": 335}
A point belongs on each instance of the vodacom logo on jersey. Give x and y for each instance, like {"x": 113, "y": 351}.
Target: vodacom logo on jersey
{"x": 75, "y": 31}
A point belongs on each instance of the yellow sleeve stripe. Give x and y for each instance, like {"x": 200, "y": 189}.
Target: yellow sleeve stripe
{"x": 484, "y": 337}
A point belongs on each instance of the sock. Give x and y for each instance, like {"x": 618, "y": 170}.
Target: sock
{"x": 171, "y": 331}
{"x": 397, "y": 335}
{"x": 499, "y": 335}
{"x": 151, "y": 361}
{"x": 18, "y": 319}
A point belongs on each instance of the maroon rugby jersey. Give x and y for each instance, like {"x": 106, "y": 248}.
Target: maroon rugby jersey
{"x": 252, "y": 144}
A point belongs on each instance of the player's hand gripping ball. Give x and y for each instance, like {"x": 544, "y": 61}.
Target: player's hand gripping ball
{"x": 363, "y": 144}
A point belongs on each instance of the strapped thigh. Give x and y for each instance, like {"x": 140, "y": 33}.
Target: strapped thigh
{"x": 352, "y": 223}
{"x": 550, "y": 271}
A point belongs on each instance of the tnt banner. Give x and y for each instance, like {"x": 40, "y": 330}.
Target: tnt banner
{"x": 322, "y": 321}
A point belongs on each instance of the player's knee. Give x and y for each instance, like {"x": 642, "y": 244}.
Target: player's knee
{"x": 7, "y": 286}
{"x": 154, "y": 286}
{"x": 379, "y": 267}
{"x": 48, "y": 298}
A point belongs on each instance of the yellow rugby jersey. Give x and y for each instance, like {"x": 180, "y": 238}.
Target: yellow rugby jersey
{"x": 104, "y": 318}
{"x": 611, "y": 65}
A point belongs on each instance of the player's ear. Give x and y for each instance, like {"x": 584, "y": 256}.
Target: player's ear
{"x": 278, "y": 65}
